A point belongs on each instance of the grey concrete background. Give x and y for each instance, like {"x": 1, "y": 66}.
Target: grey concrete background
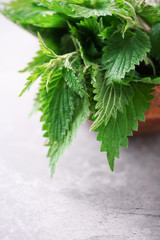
{"x": 84, "y": 200}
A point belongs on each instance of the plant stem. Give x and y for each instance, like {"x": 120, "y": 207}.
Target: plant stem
{"x": 143, "y": 24}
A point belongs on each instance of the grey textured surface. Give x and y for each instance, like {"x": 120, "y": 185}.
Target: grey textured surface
{"x": 84, "y": 200}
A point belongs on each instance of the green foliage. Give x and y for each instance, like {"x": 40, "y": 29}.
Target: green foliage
{"x": 62, "y": 113}
{"x": 110, "y": 99}
{"x": 30, "y": 12}
{"x": 38, "y": 60}
{"x": 102, "y": 55}
{"x": 77, "y": 9}
{"x": 73, "y": 82}
{"x": 116, "y": 113}
{"x": 121, "y": 55}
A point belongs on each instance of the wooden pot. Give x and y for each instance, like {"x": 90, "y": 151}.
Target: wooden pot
{"x": 152, "y": 123}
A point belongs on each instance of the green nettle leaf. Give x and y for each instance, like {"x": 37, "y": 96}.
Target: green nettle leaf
{"x": 30, "y": 12}
{"x": 62, "y": 113}
{"x": 149, "y": 14}
{"x": 76, "y": 10}
{"x": 89, "y": 12}
{"x": 40, "y": 59}
{"x": 114, "y": 133}
{"x": 73, "y": 82}
{"x": 86, "y": 34}
{"x": 97, "y": 55}
{"x": 37, "y": 72}
{"x": 45, "y": 49}
{"x": 121, "y": 55}
{"x": 110, "y": 99}
{"x": 147, "y": 80}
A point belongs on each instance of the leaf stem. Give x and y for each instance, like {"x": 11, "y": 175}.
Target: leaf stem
{"x": 143, "y": 24}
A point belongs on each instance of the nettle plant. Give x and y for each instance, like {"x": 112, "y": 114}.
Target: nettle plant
{"x": 99, "y": 57}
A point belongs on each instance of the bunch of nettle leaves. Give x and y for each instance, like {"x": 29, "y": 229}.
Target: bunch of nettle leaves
{"x": 97, "y": 55}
